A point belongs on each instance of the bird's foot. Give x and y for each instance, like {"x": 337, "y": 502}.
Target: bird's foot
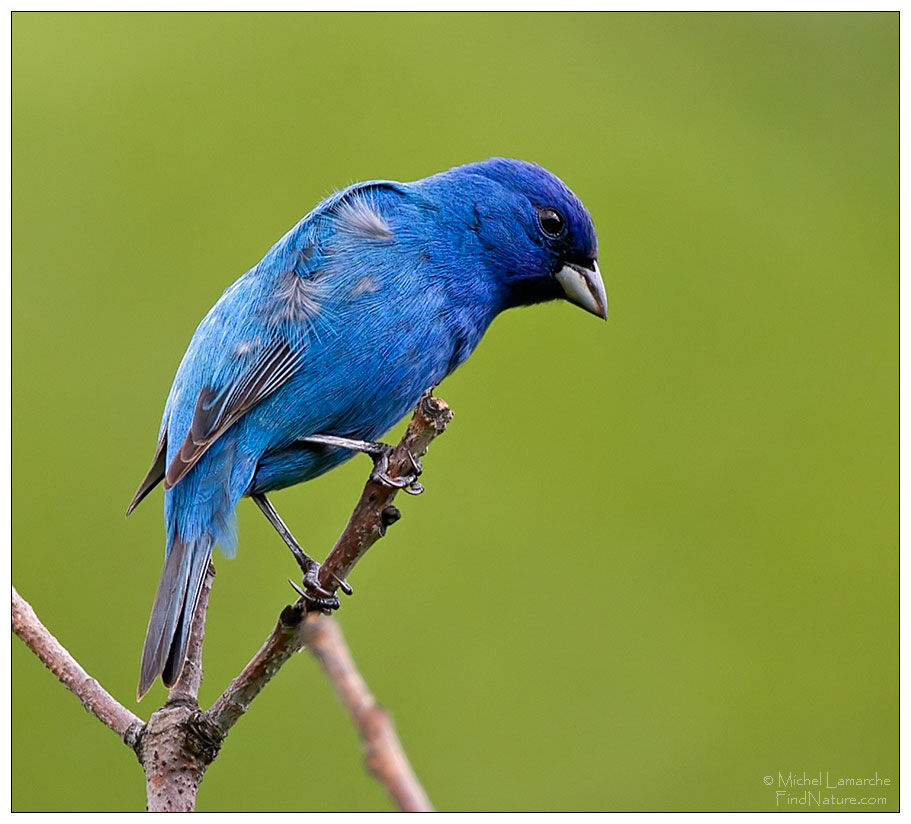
{"x": 313, "y": 592}
{"x": 409, "y": 483}
{"x": 315, "y": 595}
{"x": 380, "y": 453}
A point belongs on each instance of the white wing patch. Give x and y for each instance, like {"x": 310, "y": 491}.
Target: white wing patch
{"x": 365, "y": 286}
{"x": 358, "y": 216}
{"x": 297, "y": 299}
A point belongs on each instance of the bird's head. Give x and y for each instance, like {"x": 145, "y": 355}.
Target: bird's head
{"x": 540, "y": 239}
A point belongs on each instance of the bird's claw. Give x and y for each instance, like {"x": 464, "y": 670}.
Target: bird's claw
{"x": 323, "y": 605}
{"x": 314, "y": 594}
{"x": 408, "y": 482}
{"x": 380, "y": 453}
{"x": 343, "y": 585}
{"x": 312, "y": 584}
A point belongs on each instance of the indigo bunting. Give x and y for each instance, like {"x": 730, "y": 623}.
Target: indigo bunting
{"x": 380, "y": 292}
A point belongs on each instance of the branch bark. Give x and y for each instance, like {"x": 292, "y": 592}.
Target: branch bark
{"x": 96, "y": 700}
{"x": 383, "y": 753}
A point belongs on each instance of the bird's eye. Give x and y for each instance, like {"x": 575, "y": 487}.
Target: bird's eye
{"x": 551, "y": 222}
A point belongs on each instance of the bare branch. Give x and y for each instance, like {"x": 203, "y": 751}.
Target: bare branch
{"x": 283, "y": 642}
{"x": 175, "y": 749}
{"x": 383, "y": 751}
{"x": 56, "y": 658}
{"x": 373, "y": 513}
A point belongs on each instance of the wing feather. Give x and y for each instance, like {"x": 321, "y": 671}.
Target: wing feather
{"x": 154, "y": 475}
{"x": 219, "y": 408}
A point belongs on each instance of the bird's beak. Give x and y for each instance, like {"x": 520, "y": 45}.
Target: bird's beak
{"x": 584, "y": 287}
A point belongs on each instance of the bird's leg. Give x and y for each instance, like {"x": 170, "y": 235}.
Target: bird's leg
{"x": 321, "y": 598}
{"x": 379, "y": 452}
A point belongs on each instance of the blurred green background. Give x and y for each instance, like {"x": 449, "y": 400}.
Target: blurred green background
{"x": 657, "y": 558}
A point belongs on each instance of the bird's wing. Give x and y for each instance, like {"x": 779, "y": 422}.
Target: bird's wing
{"x": 218, "y": 407}
{"x": 155, "y": 475}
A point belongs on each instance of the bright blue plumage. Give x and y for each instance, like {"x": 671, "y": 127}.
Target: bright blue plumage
{"x": 377, "y": 294}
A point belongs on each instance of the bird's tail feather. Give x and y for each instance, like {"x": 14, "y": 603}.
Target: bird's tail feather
{"x": 172, "y": 613}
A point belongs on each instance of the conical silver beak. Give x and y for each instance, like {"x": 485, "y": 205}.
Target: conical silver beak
{"x": 584, "y": 287}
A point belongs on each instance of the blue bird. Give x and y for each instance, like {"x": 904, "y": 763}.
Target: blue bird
{"x": 377, "y": 294}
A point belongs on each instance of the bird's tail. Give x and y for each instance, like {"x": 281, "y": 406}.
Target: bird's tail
{"x": 172, "y": 613}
